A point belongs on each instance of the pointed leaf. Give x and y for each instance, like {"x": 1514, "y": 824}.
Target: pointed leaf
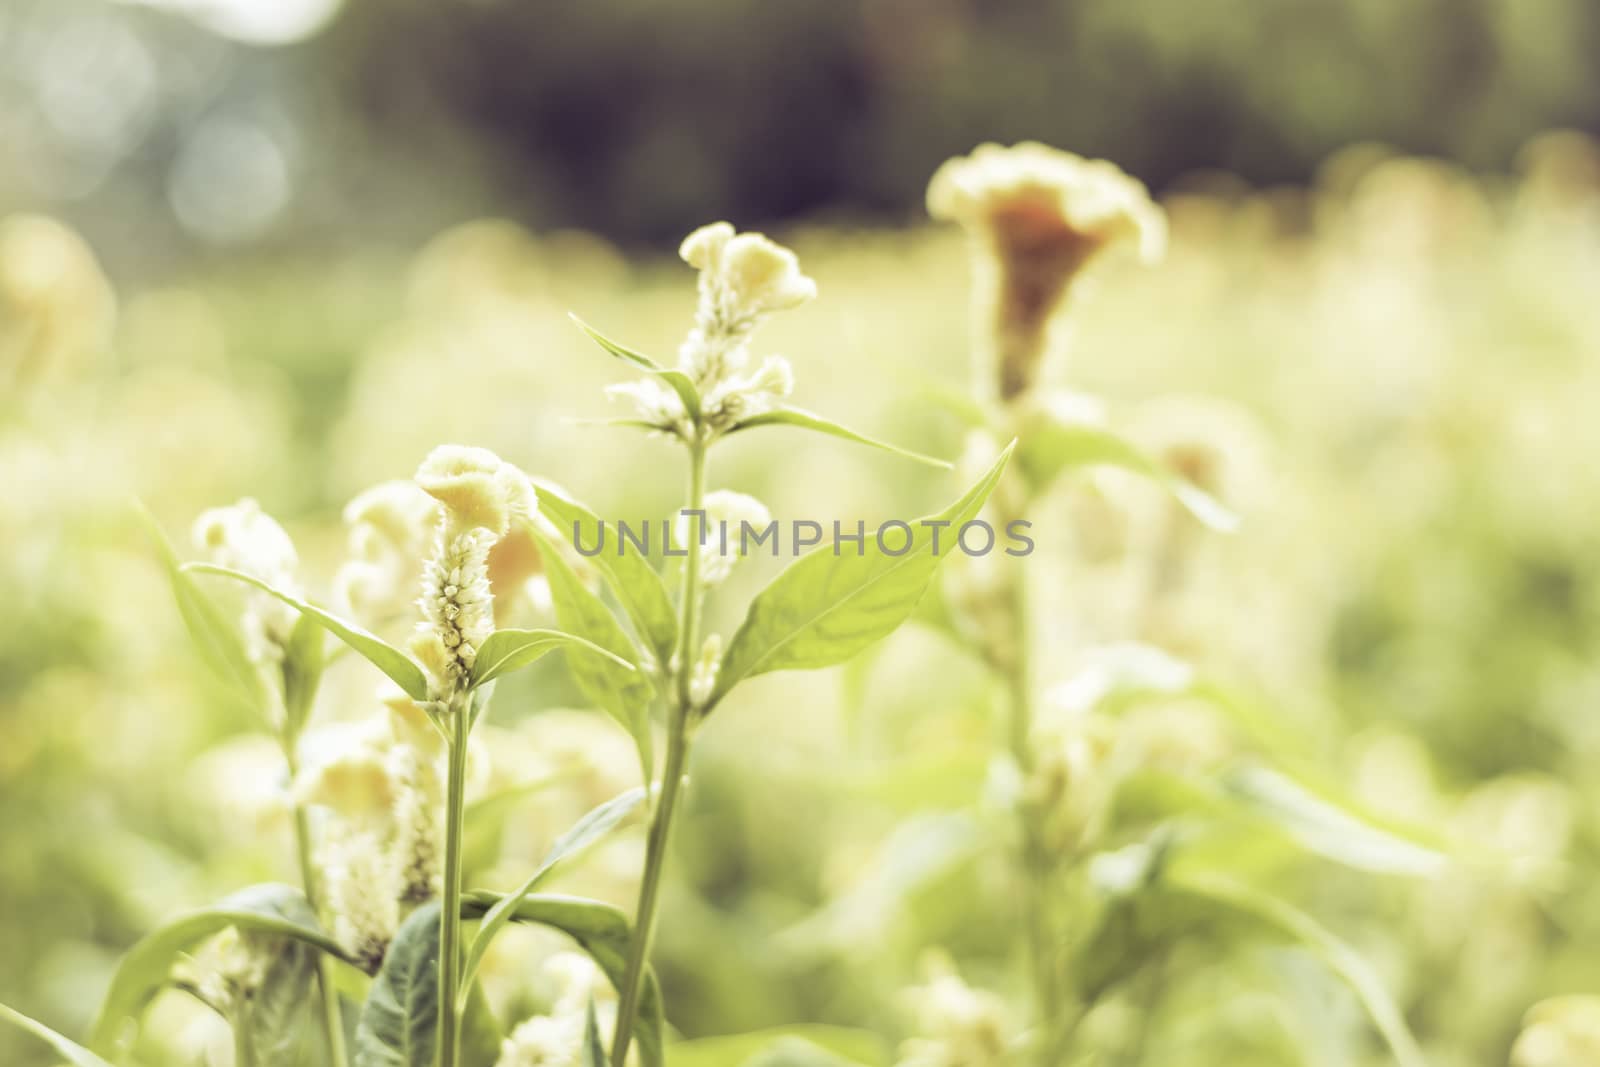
{"x": 824, "y": 608}
{"x": 622, "y": 692}
{"x": 70, "y": 1051}
{"x": 303, "y": 664}
{"x": 603, "y": 932}
{"x": 214, "y": 634}
{"x": 791, "y": 416}
{"x": 585, "y": 832}
{"x": 1049, "y": 448}
{"x": 680, "y": 382}
{"x": 636, "y": 584}
{"x": 1322, "y": 826}
{"x": 508, "y": 651}
{"x": 276, "y": 910}
{"x": 382, "y": 655}
{"x": 1340, "y": 958}
{"x": 273, "y": 1021}
{"x": 399, "y": 1024}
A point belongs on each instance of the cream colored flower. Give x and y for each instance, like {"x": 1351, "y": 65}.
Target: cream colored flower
{"x": 244, "y": 538}
{"x": 482, "y": 496}
{"x": 722, "y": 539}
{"x": 362, "y": 892}
{"x": 743, "y": 396}
{"x": 391, "y": 525}
{"x": 654, "y": 403}
{"x": 1560, "y": 1032}
{"x": 478, "y": 489}
{"x": 1039, "y": 216}
{"x": 703, "y": 679}
{"x": 743, "y": 278}
{"x": 555, "y": 1039}
{"x": 959, "y": 1026}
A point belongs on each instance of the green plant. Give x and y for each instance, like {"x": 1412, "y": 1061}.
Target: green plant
{"x": 381, "y": 911}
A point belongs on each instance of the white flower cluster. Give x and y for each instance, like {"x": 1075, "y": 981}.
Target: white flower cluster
{"x": 245, "y": 538}
{"x": 722, "y": 539}
{"x": 1560, "y": 1032}
{"x": 391, "y": 526}
{"x": 960, "y": 1026}
{"x": 555, "y": 1039}
{"x": 482, "y": 495}
{"x": 381, "y": 786}
{"x": 744, "y": 278}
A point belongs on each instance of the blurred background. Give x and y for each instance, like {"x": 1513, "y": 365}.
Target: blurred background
{"x": 281, "y": 248}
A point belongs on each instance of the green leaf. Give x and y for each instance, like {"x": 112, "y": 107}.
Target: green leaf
{"x": 216, "y": 636}
{"x": 585, "y": 832}
{"x": 636, "y": 584}
{"x": 594, "y": 1052}
{"x": 508, "y": 651}
{"x": 600, "y": 930}
{"x": 1049, "y": 448}
{"x": 829, "y": 1044}
{"x": 622, "y": 692}
{"x": 388, "y": 659}
{"x": 399, "y": 1024}
{"x": 70, "y": 1051}
{"x": 303, "y": 664}
{"x": 681, "y": 383}
{"x": 1320, "y": 825}
{"x": 1339, "y": 957}
{"x": 824, "y": 608}
{"x": 271, "y": 1020}
{"x": 276, "y": 910}
{"x": 792, "y": 416}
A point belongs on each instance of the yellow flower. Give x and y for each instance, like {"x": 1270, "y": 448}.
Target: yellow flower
{"x": 1039, "y": 215}
{"x": 478, "y": 489}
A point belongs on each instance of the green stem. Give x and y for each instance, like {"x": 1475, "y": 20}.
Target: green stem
{"x": 332, "y": 1017}
{"x": 679, "y": 724}
{"x": 450, "y": 916}
{"x": 244, "y": 1048}
{"x": 1035, "y": 857}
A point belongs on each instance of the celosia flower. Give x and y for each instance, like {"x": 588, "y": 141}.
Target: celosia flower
{"x": 744, "y": 277}
{"x": 481, "y": 495}
{"x": 363, "y": 894}
{"x": 555, "y": 1039}
{"x": 478, "y": 489}
{"x": 245, "y": 538}
{"x": 1038, "y": 216}
{"x": 722, "y": 539}
{"x": 703, "y": 679}
{"x": 390, "y": 528}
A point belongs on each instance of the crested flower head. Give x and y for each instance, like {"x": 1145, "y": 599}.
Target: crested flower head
{"x": 478, "y": 489}
{"x": 744, "y": 277}
{"x": 1039, "y": 216}
{"x": 482, "y": 496}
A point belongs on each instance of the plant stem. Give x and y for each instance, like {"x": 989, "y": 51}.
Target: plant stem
{"x": 1035, "y": 855}
{"x": 679, "y": 724}
{"x": 332, "y": 1017}
{"x": 244, "y": 1048}
{"x": 450, "y": 916}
